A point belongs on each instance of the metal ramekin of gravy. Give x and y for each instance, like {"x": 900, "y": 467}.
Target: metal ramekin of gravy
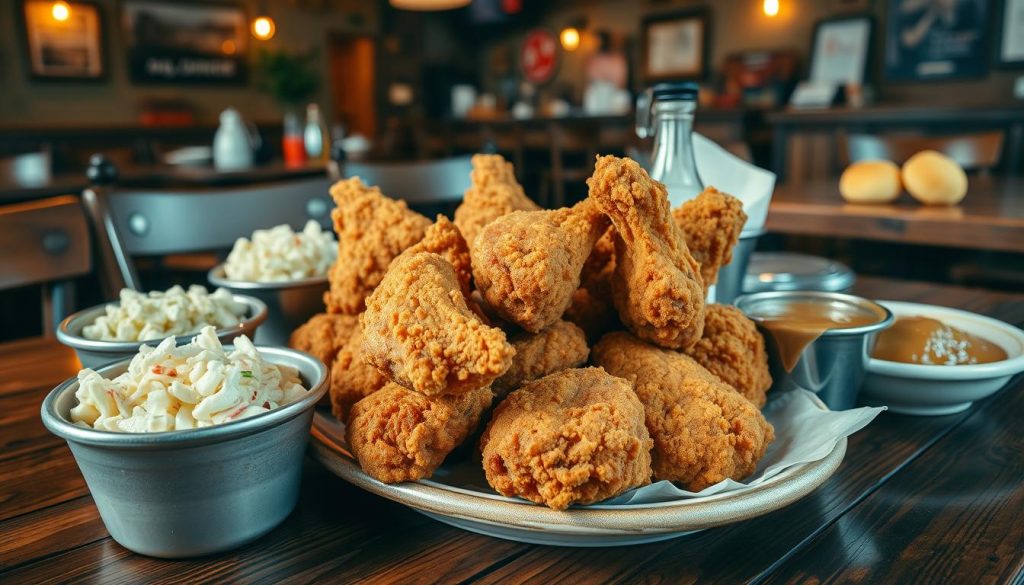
{"x": 817, "y": 340}
{"x": 927, "y": 341}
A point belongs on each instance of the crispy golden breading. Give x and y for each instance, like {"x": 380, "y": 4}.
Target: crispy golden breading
{"x": 703, "y": 430}
{"x": 733, "y": 349}
{"x": 419, "y": 331}
{"x": 527, "y": 264}
{"x": 372, "y": 230}
{"x": 573, "y": 437}
{"x": 712, "y": 223}
{"x": 494, "y": 192}
{"x": 559, "y": 347}
{"x": 400, "y": 435}
{"x": 352, "y": 378}
{"x": 444, "y": 239}
{"x": 656, "y": 286}
{"x": 323, "y": 335}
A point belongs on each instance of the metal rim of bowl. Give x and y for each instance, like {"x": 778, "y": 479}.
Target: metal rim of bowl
{"x": 886, "y": 321}
{"x": 69, "y": 431}
{"x": 1008, "y": 367}
{"x": 257, "y": 310}
{"x": 217, "y": 277}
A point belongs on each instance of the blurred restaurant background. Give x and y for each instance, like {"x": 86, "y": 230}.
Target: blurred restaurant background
{"x": 164, "y": 104}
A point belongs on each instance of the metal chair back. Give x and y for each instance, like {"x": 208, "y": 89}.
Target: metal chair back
{"x": 45, "y": 242}
{"x": 419, "y": 183}
{"x": 981, "y": 151}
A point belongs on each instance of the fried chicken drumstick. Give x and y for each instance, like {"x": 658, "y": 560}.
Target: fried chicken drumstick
{"x": 712, "y": 223}
{"x": 527, "y": 264}
{"x": 574, "y": 437}
{"x": 418, "y": 330}
{"x": 703, "y": 430}
{"x": 656, "y": 286}
{"x": 494, "y": 192}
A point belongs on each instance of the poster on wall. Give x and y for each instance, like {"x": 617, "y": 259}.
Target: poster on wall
{"x": 1011, "y": 38}
{"x": 538, "y": 56}
{"x": 64, "y": 40}
{"x": 936, "y": 39}
{"x": 676, "y": 46}
{"x": 840, "y": 50}
{"x": 185, "y": 43}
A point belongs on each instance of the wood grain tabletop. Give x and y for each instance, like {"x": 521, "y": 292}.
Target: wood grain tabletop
{"x": 991, "y": 217}
{"x": 916, "y": 500}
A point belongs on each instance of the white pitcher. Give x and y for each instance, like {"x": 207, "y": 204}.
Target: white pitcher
{"x": 232, "y": 144}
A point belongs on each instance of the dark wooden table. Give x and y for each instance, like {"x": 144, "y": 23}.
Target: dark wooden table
{"x": 991, "y": 217}
{"x": 918, "y": 499}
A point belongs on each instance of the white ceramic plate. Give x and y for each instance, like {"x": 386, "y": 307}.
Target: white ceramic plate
{"x": 458, "y": 495}
{"x": 938, "y": 390}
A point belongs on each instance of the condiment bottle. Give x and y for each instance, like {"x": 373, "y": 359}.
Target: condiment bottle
{"x": 293, "y": 144}
{"x": 666, "y": 111}
{"x": 317, "y": 139}
{"x": 232, "y": 144}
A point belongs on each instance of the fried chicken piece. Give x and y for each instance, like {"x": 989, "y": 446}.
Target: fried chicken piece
{"x": 418, "y": 330}
{"x": 703, "y": 430}
{"x": 400, "y": 435}
{"x": 352, "y": 378}
{"x": 592, "y": 308}
{"x": 712, "y": 223}
{"x": 733, "y": 349}
{"x": 444, "y": 239}
{"x": 372, "y": 230}
{"x": 656, "y": 285}
{"x": 559, "y": 347}
{"x": 527, "y": 264}
{"x": 323, "y": 335}
{"x": 494, "y": 192}
{"x": 573, "y": 437}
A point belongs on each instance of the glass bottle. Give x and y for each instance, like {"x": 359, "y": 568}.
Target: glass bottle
{"x": 666, "y": 111}
{"x": 293, "y": 144}
{"x": 316, "y": 136}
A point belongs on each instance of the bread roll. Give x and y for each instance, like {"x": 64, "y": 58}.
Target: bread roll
{"x": 870, "y": 181}
{"x": 934, "y": 179}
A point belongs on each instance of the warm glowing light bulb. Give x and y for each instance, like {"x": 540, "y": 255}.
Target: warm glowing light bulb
{"x": 60, "y": 11}
{"x": 771, "y": 7}
{"x": 570, "y": 38}
{"x": 263, "y": 28}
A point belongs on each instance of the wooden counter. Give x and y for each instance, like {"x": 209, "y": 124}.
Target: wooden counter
{"x": 991, "y": 217}
{"x": 917, "y": 499}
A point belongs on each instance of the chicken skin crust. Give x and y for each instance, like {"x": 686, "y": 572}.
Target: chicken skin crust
{"x": 494, "y": 192}
{"x": 733, "y": 349}
{"x": 559, "y": 347}
{"x": 444, "y": 239}
{"x": 527, "y": 264}
{"x": 352, "y": 378}
{"x": 572, "y": 437}
{"x": 323, "y": 335}
{"x": 400, "y": 435}
{"x": 656, "y": 285}
{"x": 712, "y": 223}
{"x": 703, "y": 430}
{"x": 372, "y": 230}
{"x": 419, "y": 331}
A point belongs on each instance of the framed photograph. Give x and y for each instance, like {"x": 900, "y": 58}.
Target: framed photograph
{"x": 936, "y": 40}
{"x": 177, "y": 42}
{"x": 840, "y": 51}
{"x": 675, "y": 46}
{"x": 63, "y": 41}
{"x": 1010, "y": 48}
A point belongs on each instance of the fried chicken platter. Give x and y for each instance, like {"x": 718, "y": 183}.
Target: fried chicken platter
{"x": 568, "y": 354}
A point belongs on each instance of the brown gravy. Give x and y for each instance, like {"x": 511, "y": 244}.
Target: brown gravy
{"x": 921, "y": 340}
{"x": 805, "y": 321}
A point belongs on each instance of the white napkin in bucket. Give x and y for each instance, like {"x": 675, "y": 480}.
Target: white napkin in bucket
{"x": 728, "y": 173}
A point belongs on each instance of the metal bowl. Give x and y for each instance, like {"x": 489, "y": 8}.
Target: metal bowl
{"x": 193, "y": 492}
{"x": 290, "y": 303}
{"x": 833, "y": 365}
{"x": 94, "y": 353}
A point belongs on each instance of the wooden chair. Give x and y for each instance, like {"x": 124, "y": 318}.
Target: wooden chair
{"x": 45, "y": 242}
{"x": 975, "y": 152}
{"x": 131, "y": 223}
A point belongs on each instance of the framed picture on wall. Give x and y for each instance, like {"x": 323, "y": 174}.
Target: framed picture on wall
{"x": 841, "y": 49}
{"x": 185, "y": 42}
{"x": 936, "y": 40}
{"x": 675, "y": 46}
{"x": 1010, "y": 48}
{"x": 64, "y": 40}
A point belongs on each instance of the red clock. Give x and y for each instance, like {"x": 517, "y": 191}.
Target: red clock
{"x": 538, "y": 56}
